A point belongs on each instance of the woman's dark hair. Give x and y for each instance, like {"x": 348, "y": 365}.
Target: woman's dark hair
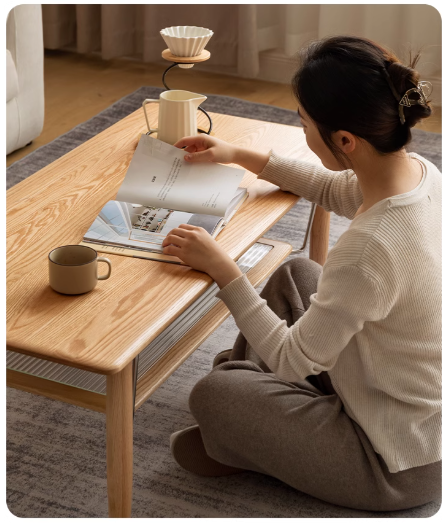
{"x": 343, "y": 84}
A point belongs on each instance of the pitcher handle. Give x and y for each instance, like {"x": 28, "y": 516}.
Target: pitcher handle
{"x": 210, "y": 122}
{"x": 145, "y": 102}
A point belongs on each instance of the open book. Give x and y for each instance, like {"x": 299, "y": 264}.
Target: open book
{"x": 160, "y": 192}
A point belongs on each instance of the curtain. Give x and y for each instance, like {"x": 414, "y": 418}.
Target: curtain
{"x": 119, "y": 30}
{"x": 398, "y": 27}
{"x": 242, "y": 31}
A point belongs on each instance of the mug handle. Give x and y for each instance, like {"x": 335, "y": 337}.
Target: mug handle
{"x": 145, "y": 102}
{"x": 105, "y": 260}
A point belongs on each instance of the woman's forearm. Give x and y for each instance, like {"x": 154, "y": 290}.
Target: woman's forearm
{"x": 250, "y": 160}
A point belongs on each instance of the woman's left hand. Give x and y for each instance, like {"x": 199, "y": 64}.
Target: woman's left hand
{"x": 197, "y": 248}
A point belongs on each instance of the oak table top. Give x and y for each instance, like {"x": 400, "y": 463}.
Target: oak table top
{"x": 102, "y": 331}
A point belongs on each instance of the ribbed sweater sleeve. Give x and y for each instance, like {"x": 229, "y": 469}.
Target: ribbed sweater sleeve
{"x": 337, "y": 192}
{"x": 375, "y": 321}
{"x": 315, "y": 341}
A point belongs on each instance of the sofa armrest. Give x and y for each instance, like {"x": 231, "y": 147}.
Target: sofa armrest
{"x": 24, "y": 40}
{"x": 11, "y": 78}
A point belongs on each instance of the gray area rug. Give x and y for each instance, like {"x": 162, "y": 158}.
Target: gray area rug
{"x": 56, "y": 457}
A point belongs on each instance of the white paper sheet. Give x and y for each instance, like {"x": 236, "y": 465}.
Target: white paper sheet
{"x": 159, "y": 176}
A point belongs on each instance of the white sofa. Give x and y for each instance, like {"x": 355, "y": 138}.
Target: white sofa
{"x": 24, "y": 76}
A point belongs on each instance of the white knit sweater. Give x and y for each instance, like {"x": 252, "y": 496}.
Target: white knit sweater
{"x": 375, "y": 322}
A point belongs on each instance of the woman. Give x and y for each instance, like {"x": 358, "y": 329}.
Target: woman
{"x": 334, "y": 382}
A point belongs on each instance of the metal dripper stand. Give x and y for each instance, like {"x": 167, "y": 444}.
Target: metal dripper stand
{"x": 186, "y": 63}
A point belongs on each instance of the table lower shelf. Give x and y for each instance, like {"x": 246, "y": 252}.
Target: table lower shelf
{"x": 160, "y": 358}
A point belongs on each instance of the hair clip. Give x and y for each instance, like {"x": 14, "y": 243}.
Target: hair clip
{"x": 423, "y": 90}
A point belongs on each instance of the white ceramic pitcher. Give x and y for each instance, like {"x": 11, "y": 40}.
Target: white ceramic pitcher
{"x": 177, "y": 114}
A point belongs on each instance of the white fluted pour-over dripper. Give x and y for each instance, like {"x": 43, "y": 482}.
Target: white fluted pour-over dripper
{"x": 186, "y": 41}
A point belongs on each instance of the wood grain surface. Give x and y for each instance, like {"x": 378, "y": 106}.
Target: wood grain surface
{"x": 119, "y": 442}
{"x": 102, "y": 331}
{"x": 202, "y": 57}
{"x": 56, "y": 390}
{"x": 319, "y": 236}
{"x": 179, "y": 353}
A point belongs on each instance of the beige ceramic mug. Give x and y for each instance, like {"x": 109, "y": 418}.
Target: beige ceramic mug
{"x": 73, "y": 269}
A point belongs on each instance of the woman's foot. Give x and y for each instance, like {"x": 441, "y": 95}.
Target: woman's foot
{"x": 221, "y": 357}
{"x": 188, "y": 450}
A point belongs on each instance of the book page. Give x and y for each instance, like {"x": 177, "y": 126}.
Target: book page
{"x": 158, "y": 176}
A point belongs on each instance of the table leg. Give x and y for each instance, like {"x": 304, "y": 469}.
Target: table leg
{"x": 319, "y": 236}
{"x": 119, "y": 438}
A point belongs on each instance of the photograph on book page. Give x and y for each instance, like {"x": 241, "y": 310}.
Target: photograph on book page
{"x": 141, "y": 227}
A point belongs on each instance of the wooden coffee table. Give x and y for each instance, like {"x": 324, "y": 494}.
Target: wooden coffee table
{"x": 61, "y": 346}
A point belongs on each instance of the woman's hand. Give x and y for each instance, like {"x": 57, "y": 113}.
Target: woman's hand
{"x": 205, "y": 148}
{"x": 195, "y": 247}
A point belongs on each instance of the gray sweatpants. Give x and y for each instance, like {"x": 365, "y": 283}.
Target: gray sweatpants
{"x": 299, "y": 432}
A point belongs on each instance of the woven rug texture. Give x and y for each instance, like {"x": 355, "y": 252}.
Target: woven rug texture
{"x": 56, "y": 453}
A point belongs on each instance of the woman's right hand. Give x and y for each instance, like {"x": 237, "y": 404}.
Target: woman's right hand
{"x": 205, "y": 148}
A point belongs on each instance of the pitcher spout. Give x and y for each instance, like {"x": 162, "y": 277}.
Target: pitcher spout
{"x": 198, "y": 99}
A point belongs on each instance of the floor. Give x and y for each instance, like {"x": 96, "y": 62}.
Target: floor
{"x": 77, "y": 87}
